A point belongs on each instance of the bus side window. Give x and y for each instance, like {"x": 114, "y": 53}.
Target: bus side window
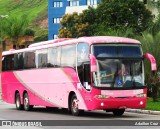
{"x": 58, "y": 56}
{"x": 82, "y": 51}
{"x": 41, "y": 58}
{"x": 3, "y": 63}
{"x": 68, "y": 57}
{"x": 25, "y": 60}
{"x": 83, "y": 65}
{"x": 15, "y": 61}
{"x": 9, "y": 62}
{"x": 20, "y": 61}
{"x": 31, "y": 60}
{"x": 52, "y": 57}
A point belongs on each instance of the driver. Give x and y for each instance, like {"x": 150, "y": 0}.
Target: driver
{"x": 123, "y": 70}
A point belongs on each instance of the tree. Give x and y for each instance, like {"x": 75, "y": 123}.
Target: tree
{"x": 72, "y": 26}
{"x": 29, "y": 32}
{"x": 153, "y": 4}
{"x": 155, "y": 27}
{"x": 14, "y": 27}
{"x": 77, "y": 25}
{"x": 68, "y": 24}
{"x": 151, "y": 44}
{"x": 90, "y": 16}
{"x": 118, "y": 14}
{"x": 101, "y": 30}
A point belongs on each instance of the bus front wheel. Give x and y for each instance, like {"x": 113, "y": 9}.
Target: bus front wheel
{"x": 19, "y": 106}
{"x": 74, "y": 106}
{"x": 26, "y": 103}
{"x": 118, "y": 112}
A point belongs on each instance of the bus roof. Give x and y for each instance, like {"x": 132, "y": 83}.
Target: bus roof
{"x": 109, "y": 39}
{"x": 48, "y": 42}
{"x": 66, "y": 41}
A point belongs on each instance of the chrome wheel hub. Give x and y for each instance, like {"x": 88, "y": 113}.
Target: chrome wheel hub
{"x": 75, "y": 105}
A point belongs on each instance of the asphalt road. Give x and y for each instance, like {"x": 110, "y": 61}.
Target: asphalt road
{"x": 9, "y": 112}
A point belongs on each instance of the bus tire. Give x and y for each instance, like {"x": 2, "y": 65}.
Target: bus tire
{"x": 118, "y": 112}
{"x": 18, "y": 103}
{"x": 27, "y": 106}
{"x": 74, "y": 106}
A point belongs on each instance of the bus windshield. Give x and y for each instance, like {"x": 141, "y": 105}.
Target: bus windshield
{"x": 118, "y": 66}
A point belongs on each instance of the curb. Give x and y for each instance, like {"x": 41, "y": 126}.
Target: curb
{"x": 143, "y": 111}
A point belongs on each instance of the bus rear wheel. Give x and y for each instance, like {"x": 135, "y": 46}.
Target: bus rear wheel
{"x": 27, "y": 106}
{"x": 18, "y": 103}
{"x": 74, "y": 106}
{"x": 118, "y": 112}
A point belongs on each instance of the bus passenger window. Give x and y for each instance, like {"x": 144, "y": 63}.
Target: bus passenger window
{"x": 29, "y": 60}
{"x": 9, "y": 62}
{"x": 58, "y": 56}
{"x": 83, "y": 51}
{"x": 83, "y": 65}
{"x": 68, "y": 57}
{"x": 52, "y": 57}
{"x": 41, "y": 58}
{"x": 15, "y": 61}
{"x": 20, "y": 61}
{"x": 25, "y": 60}
{"x": 3, "y": 63}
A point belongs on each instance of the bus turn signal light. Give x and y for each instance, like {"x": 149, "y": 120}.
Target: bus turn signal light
{"x": 141, "y": 95}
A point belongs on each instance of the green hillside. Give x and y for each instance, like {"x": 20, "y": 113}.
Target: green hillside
{"x": 35, "y": 10}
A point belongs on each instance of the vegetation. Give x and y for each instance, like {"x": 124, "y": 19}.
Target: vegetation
{"x": 73, "y": 26}
{"x": 13, "y": 28}
{"x": 18, "y": 8}
{"x": 151, "y": 44}
{"x": 124, "y": 14}
{"x": 43, "y": 35}
{"x": 29, "y": 32}
{"x": 152, "y": 105}
{"x": 35, "y": 10}
{"x": 109, "y": 15}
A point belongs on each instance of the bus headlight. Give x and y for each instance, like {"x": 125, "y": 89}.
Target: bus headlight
{"x": 102, "y": 96}
{"x": 141, "y": 95}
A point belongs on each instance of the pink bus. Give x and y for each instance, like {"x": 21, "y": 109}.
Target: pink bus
{"x": 88, "y": 73}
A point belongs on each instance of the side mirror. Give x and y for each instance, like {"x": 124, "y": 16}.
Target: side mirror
{"x": 93, "y": 63}
{"x": 152, "y": 61}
